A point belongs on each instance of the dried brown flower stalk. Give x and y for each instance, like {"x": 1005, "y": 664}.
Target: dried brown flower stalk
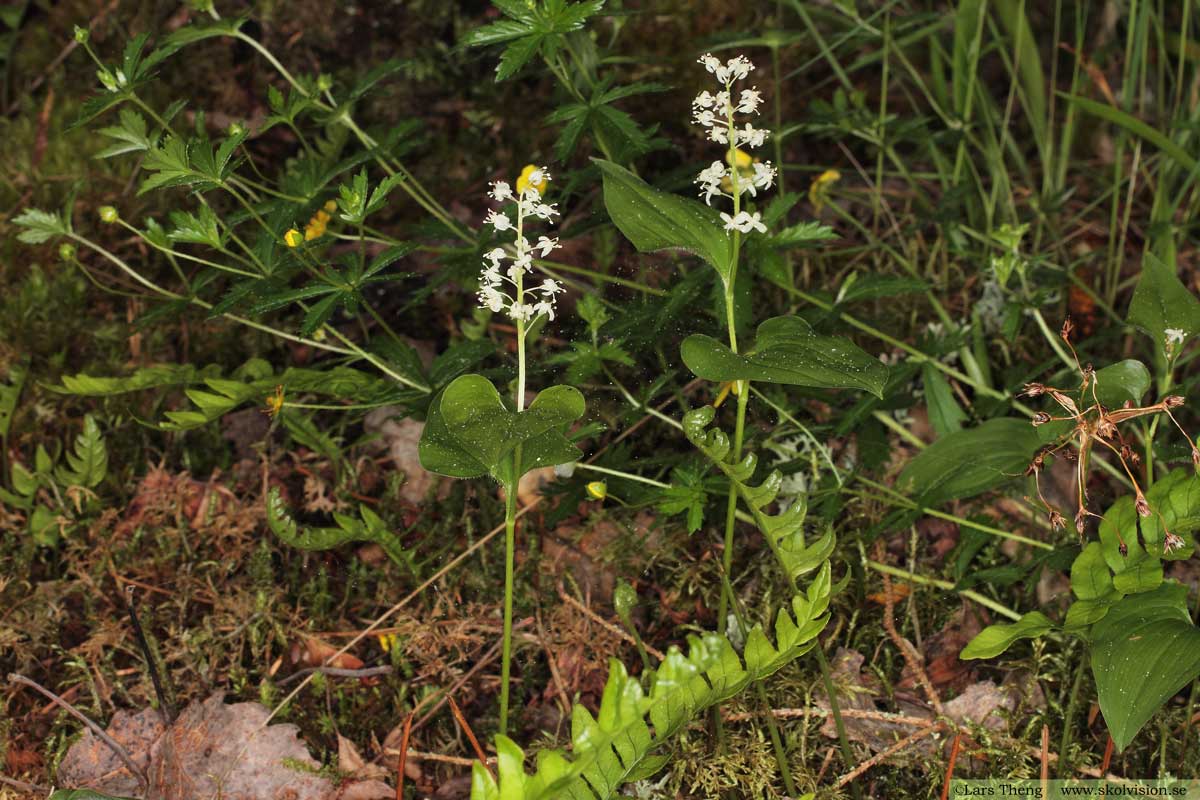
{"x": 1094, "y": 426}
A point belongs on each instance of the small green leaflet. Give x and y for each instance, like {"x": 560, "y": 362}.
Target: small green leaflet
{"x": 530, "y": 29}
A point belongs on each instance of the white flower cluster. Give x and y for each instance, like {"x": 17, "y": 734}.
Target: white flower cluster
{"x": 716, "y": 113}
{"x": 526, "y": 302}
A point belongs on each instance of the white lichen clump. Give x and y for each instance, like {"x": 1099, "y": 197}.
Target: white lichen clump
{"x": 511, "y": 290}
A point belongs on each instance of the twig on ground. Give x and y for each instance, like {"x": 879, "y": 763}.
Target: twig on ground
{"x": 338, "y": 672}
{"x": 911, "y": 656}
{"x": 950, "y": 766}
{"x": 403, "y": 761}
{"x": 466, "y": 727}
{"x": 110, "y": 742}
{"x": 884, "y": 755}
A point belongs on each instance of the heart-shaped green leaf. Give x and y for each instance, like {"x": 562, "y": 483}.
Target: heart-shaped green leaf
{"x": 1161, "y": 302}
{"x": 787, "y": 351}
{"x": 656, "y": 220}
{"x": 995, "y": 639}
{"x": 470, "y": 432}
{"x": 1125, "y": 380}
{"x": 1144, "y": 651}
{"x": 968, "y": 462}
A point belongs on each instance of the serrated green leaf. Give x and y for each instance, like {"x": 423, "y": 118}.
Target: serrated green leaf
{"x": 87, "y": 463}
{"x": 368, "y": 527}
{"x": 40, "y": 226}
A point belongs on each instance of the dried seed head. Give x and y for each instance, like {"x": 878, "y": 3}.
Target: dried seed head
{"x": 1056, "y": 520}
{"x": 1034, "y": 389}
{"x": 1173, "y": 401}
{"x": 1080, "y": 520}
{"x": 1143, "y": 508}
{"x": 1068, "y": 328}
{"x": 1171, "y": 542}
{"x": 1040, "y": 418}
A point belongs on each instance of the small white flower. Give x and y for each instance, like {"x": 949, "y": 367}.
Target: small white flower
{"x": 544, "y": 307}
{"x": 498, "y": 221}
{"x": 501, "y": 191}
{"x": 749, "y": 101}
{"x": 718, "y": 134}
{"x": 764, "y": 174}
{"x": 704, "y": 100}
{"x": 551, "y": 287}
{"x": 751, "y": 136}
{"x": 524, "y": 261}
{"x": 738, "y": 67}
{"x": 544, "y": 211}
{"x": 705, "y": 118}
{"x": 521, "y": 312}
{"x": 546, "y": 245}
{"x": 710, "y": 181}
{"x": 495, "y": 255}
{"x": 744, "y": 222}
{"x": 1174, "y": 336}
{"x": 492, "y": 299}
{"x": 710, "y": 62}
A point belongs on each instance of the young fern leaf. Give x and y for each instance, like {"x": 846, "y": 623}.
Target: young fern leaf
{"x": 616, "y": 746}
{"x": 784, "y": 531}
{"x": 370, "y": 528}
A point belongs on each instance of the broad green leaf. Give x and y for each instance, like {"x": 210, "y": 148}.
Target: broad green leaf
{"x": 1176, "y": 496}
{"x": 1144, "y": 651}
{"x": 945, "y": 414}
{"x": 787, "y": 351}
{"x": 968, "y": 462}
{"x": 1125, "y": 380}
{"x": 656, "y": 220}
{"x": 995, "y": 639}
{"x": 470, "y": 432}
{"x": 1161, "y": 302}
{"x": 1090, "y": 578}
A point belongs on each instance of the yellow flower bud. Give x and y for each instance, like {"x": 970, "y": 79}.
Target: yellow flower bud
{"x": 597, "y": 490}
{"x": 523, "y": 181}
{"x": 331, "y": 206}
{"x": 293, "y": 238}
{"x": 818, "y": 193}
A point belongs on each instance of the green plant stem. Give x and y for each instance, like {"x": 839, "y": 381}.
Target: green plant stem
{"x": 1064, "y": 756}
{"x": 510, "y": 548}
{"x": 913, "y": 577}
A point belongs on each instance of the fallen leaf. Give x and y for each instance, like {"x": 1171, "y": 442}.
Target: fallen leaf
{"x": 310, "y": 651}
{"x": 211, "y": 750}
{"x": 351, "y": 762}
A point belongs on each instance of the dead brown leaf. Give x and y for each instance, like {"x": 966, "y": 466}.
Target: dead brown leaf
{"x": 212, "y": 750}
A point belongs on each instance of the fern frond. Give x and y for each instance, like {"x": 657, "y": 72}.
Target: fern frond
{"x": 784, "y": 531}
{"x": 87, "y": 464}
{"x": 369, "y": 528}
{"x": 616, "y": 746}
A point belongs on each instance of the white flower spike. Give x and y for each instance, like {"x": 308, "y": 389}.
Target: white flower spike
{"x": 738, "y": 173}
{"x": 503, "y": 289}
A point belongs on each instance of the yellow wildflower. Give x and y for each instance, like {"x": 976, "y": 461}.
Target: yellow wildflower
{"x": 597, "y": 490}
{"x": 293, "y": 238}
{"x": 386, "y": 641}
{"x": 818, "y": 193}
{"x": 274, "y": 402}
{"x": 523, "y": 181}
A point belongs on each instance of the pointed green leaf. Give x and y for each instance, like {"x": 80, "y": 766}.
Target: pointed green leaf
{"x": 1144, "y": 651}
{"x": 995, "y": 639}
{"x": 1161, "y": 302}
{"x": 787, "y": 351}
{"x": 656, "y": 220}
